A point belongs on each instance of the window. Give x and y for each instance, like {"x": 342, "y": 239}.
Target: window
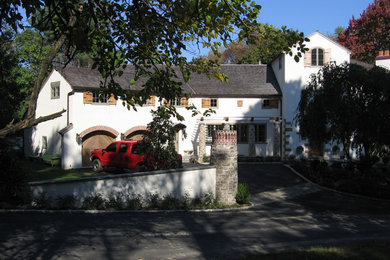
{"x": 213, "y": 102}
{"x": 44, "y": 142}
{"x": 209, "y": 102}
{"x": 111, "y": 148}
{"x": 260, "y": 133}
{"x": 99, "y": 98}
{"x": 317, "y": 57}
{"x": 55, "y": 90}
{"x": 122, "y": 148}
{"x": 175, "y": 102}
{"x": 242, "y": 132}
{"x": 270, "y": 103}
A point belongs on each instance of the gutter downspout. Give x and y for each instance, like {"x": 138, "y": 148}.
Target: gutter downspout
{"x": 68, "y": 106}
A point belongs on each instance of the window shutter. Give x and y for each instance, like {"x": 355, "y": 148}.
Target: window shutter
{"x": 87, "y": 97}
{"x": 274, "y": 103}
{"x": 112, "y": 100}
{"x": 151, "y": 100}
{"x": 307, "y": 58}
{"x": 327, "y": 56}
{"x": 184, "y": 102}
{"x": 205, "y": 102}
{"x": 166, "y": 102}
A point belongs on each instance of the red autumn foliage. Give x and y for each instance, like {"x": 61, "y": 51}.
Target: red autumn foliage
{"x": 370, "y": 33}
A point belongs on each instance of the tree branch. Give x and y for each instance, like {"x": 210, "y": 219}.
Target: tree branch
{"x": 12, "y": 128}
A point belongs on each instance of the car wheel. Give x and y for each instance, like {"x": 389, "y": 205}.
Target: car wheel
{"x": 97, "y": 165}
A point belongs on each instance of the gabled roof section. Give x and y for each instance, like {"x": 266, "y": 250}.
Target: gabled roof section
{"x": 245, "y": 80}
{"x": 331, "y": 40}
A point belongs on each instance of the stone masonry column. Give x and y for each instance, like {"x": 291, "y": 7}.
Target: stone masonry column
{"x": 224, "y": 157}
{"x": 202, "y": 142}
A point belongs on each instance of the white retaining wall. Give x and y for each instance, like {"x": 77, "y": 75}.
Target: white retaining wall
{"x": 190, "y": 182}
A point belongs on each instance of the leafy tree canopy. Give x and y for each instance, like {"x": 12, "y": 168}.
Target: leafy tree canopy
{"x": 350, "y": 105}
{"x": 143, "y": 33}
{"x": 370, "y": 33}
{"x": 264, "y": 44}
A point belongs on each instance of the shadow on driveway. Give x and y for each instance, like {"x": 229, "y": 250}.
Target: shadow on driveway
{"x": 266, "y": 177}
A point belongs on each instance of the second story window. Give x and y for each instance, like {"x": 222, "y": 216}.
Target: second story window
{"x": 55, "y": 90}
{"x": 175, "y": 102}
{"x": 209, "y": 102}
{"x": 99, "y": 98}
{"x": 270, "y": 103}
{"x": 317, "y": 57}
{"x": 213, "y": 102}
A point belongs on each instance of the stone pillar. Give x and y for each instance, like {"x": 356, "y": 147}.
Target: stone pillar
{"x": 202, "y": 142}
{"x": 252, "y": 140}
{"x": 224, "y": 156}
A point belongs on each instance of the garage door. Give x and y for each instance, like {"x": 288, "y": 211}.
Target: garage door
{"x": 137, "y": 135}
{"x": 92, "y": 141}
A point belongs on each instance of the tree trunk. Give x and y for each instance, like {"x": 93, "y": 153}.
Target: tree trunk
{"x": 31, "y": 120}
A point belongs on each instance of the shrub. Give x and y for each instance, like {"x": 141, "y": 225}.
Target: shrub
{"x": 94, "y": 202}
{"x": 42, "y": 201}
{"x": 134, "y": 202}
{"x": 14, "y": 188}
{"x": 243, "y": 195}
{"x": 154, "y": 201}
{"x": 170, "y": 202}
{"x": 114, "y": 202}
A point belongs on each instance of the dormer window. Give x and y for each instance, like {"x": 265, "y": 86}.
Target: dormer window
{"x": 317, "y": 57}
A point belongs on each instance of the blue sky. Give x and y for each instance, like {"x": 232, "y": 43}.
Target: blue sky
{"x": 307, "y": 16}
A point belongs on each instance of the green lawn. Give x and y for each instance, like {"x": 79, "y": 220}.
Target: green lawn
{"x": 38, "y": 171}
{"x": 369, "y": 250}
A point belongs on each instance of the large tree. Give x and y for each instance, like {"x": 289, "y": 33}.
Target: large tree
{"x": 145, "y": 33}
{"x": 347, "y": 104}
{"x": 369, "y": 33}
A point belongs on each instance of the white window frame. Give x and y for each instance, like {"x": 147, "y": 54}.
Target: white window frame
{"x": 55, "y": 90}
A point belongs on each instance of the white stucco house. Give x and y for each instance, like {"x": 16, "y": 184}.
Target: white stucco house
{"x": 259, "y": 102}
{"x": 249, "y": 102}
{"x": 383, "y": 59}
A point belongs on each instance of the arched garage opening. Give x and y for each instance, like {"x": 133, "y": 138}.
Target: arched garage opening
{"x": 136, "y": 133}
{"x": 95, "y": 138}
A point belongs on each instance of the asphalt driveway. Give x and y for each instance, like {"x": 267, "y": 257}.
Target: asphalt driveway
{"x": 289, "y": 214}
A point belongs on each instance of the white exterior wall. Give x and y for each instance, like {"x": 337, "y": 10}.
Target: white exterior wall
{"x": 118, "y": 117}
{"x": 47, "y": 106}
{"x": 385, "y": 63}
{"x": 297, "y": 76}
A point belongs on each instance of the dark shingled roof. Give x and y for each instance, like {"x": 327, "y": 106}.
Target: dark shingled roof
{"x": 245, "y": 80}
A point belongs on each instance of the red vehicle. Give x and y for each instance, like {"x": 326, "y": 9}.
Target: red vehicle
{"x": 120, "y": 154}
